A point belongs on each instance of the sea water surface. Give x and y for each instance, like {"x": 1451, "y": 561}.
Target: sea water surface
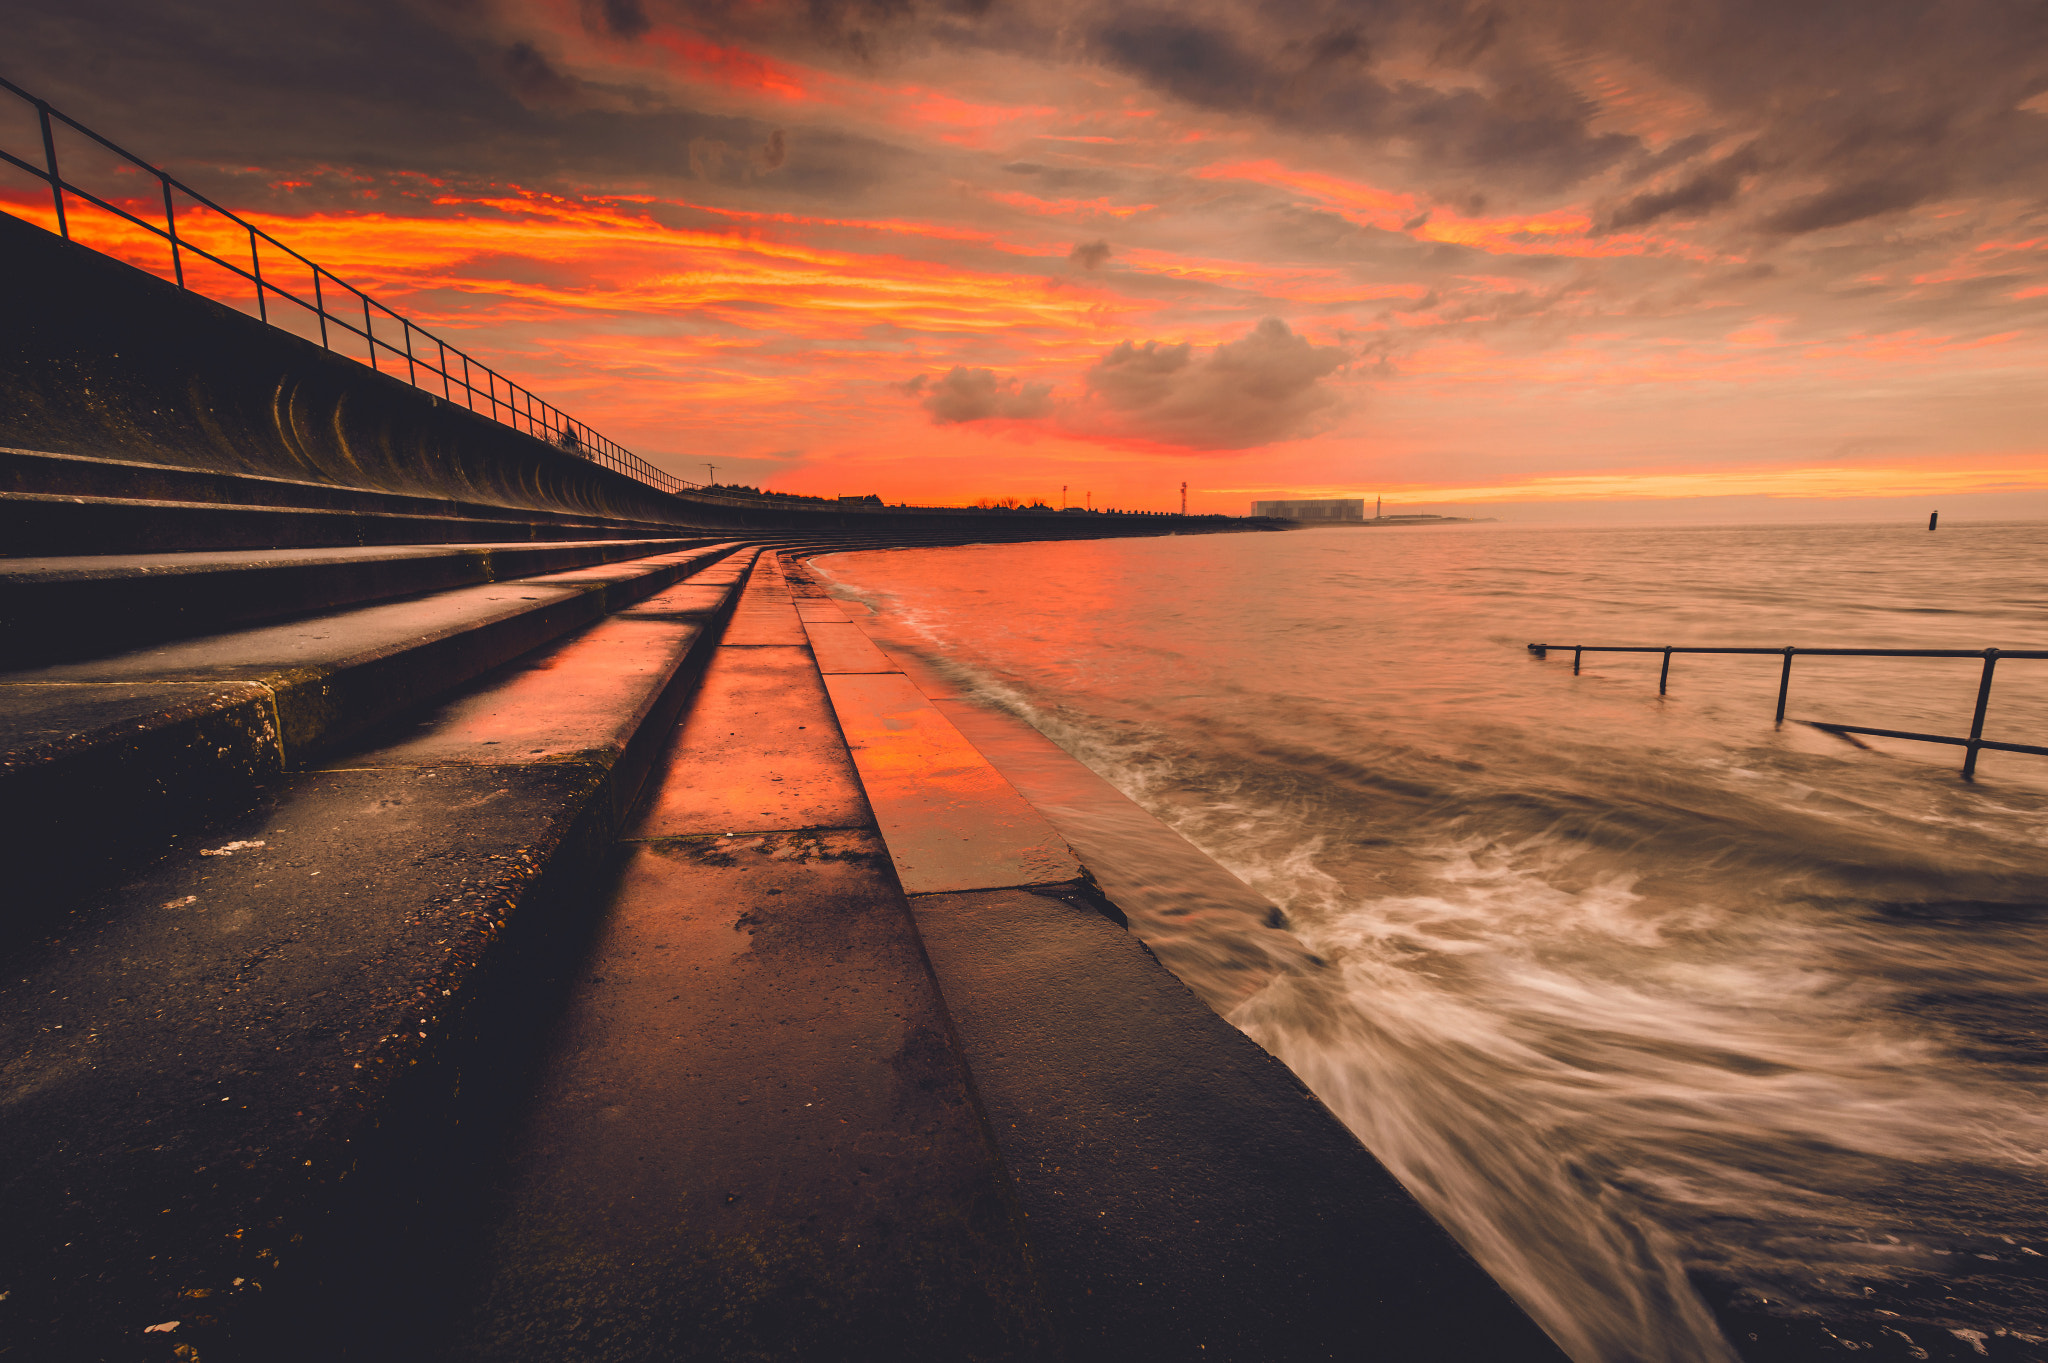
{"x": 1710, "y": 1038}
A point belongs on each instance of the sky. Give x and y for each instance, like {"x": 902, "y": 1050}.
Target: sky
{"x": 1663, "y": 259}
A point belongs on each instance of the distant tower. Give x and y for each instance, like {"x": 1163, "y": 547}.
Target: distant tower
{"x": 1063, "y": 496}
{"x": 1376, "y": 512}
{"x": 1183, "y": 499}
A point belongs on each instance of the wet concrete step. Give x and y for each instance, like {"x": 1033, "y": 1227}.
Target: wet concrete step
{"x": 952, "y": 822}
{"x": 214, "y": 1070}
{"x": 1223, "y": 939}
{"x": 92, "y": 605}
{"x": 752, "y": 1137}
{"x": 110, "y": 758}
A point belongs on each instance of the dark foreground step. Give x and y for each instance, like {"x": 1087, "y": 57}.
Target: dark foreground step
{"x": 200, "y": 1064}
{"x": 103, "y": 760}
{"x": 85, "y": 606}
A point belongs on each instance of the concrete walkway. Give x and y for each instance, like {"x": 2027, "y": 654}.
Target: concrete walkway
{"x": 753, "y": 1137}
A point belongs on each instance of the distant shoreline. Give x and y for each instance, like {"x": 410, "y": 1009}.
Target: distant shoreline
{"x": 1406, "y": 520}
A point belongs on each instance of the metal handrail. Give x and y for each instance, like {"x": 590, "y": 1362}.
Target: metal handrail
{"x": 501, "y": 399}
{"x": 1974, "y": 744}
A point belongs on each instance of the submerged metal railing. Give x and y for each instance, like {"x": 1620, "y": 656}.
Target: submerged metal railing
{"x": 1975, "y": 743}
{"x": 433, "y": 358}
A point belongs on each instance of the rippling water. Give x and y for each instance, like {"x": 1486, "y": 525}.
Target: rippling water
{"x": 1710, "y": 1039}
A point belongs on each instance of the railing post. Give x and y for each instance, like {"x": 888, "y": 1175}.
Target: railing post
{"x": 171, "y": 230}
{"x": 1577, "y": 653}
{"x": 1784, "y": 683}
{"x": 50, "y": 160}
{"x": 256, "y": 271}
{"x": 447, "y": 393}
{"x": 320, "y": 309}
{"x": 1664, "y": 677}
{"x": 369, "y": 336}
{"x": 412, "y": 374}
{"x": 1977, "y": 721}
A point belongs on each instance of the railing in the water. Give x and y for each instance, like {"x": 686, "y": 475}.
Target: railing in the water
{"x": 1972, "y": 745}
{"x": 498, "y": 397}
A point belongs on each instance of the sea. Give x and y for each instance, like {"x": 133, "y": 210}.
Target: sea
{"x": 1711, "y": 1037}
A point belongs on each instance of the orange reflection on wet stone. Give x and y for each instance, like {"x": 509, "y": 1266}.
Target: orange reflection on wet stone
{"x": 759, "y": 751}
{"x": 951, "y": 821}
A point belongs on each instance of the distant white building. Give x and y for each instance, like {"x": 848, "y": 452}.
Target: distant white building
{"x": 1335, "y": 509}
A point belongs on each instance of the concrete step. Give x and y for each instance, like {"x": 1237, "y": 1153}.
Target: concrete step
{"x": 106, "y": 760}
{"x": 83, "y": 475}
{"x": 36, "y": 524}
{"x": 1218, "y": 935}
{"x": 84, "y": 606}
{"x": 214, "y": 1069}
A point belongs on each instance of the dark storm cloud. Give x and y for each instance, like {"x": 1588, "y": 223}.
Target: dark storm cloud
{"x": 536, "y": 81}
{"x": 1531, "y": 130}
{"x": 1704, "y": 190}
{"x": 1089, "y": 255}
{"x": 1261, "y": 388}
{"x": 1885, "y": 105}
{"x": 716, "y": 160}
{"x": 965, "y": 394}
{"x": 1847, "y": 109}
{"x": 1849, "y": 203}
{"x": 626, "y": 19}
{"x": 388, "y": 88}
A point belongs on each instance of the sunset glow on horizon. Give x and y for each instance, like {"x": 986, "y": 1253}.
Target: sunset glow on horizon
{"x": 946, "y": 254}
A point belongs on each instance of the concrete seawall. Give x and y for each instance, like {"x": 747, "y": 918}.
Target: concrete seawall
{"x": 117, "y": 388}
{"x": 104, "y": 362}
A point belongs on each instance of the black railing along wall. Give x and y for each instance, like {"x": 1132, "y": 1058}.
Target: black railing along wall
{"x": 431, "y": 363}
{"x": 1972, "y": 745}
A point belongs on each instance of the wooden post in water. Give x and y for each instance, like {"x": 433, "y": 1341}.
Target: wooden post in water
{"x": 1932, "y": 517}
